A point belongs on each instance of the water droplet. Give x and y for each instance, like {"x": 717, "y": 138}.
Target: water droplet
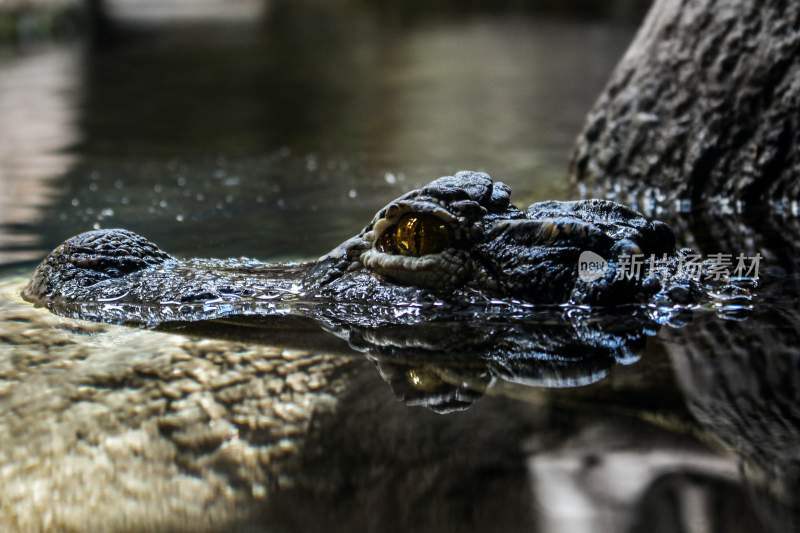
{"x": 162, "y": 204}
{"x": 96, "y": 225}
{"x": 352, "y": 193}
{"x": 93, "y": 187}
{"x": 311, "y": 163}
{"x": 124, "y": 200}
{"x": 107, "y": 212}
{"x": 75, "y": 202}
{"x": 200, "y": 197}
{"x": 390, "y": 178}
{"x": 158, "y": 188}
{"x": 179, "y": 218}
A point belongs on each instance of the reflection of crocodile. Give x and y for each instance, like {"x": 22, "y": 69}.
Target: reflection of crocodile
{"x": 446, "y": 366}
{"x": 457, "y": 240}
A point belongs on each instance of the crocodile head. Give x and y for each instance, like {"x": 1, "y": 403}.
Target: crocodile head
{"x": 462, "y": 232}
{"x": 459, "y": 238}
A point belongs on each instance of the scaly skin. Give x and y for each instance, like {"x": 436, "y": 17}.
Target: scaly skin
{"x": 468, "y": 245}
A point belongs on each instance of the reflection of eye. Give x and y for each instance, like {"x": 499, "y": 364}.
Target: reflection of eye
{"x": 423, "y": 380}
{"x": 416, "y": 235}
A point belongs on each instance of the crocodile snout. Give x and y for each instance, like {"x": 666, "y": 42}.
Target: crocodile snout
{"x": 90, "y": 258}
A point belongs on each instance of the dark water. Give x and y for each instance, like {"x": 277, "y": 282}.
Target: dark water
{"x": 280, "y": 139}
{"x": 216, "y": 142}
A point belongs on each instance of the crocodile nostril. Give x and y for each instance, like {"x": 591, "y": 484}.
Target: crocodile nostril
{"x": 93, "y": 257}
{"x": 108, "y": 253}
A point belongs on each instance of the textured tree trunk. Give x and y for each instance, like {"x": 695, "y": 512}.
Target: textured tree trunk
{"x": 704, "y": 106}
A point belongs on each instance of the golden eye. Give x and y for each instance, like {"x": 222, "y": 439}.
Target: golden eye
{"x": 415, "y": 236}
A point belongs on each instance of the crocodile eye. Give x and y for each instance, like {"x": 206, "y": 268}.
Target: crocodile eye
{"x": 415, "y": 236}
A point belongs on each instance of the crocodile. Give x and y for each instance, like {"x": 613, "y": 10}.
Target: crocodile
{"x": 452, "y": 246}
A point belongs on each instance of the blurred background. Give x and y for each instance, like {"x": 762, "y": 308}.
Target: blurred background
{"x": 275, "y": 129}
